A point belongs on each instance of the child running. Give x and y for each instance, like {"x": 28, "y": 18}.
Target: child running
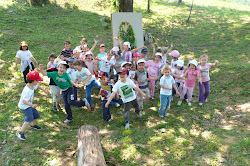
{"x": 166, "y": 83}
{"x": 25, "y": 104}
{"x": 192, "y": 73}
{"x": 63, "y": 81}
{"x": 204, "y": 70}
{"x": 125, "y": 88}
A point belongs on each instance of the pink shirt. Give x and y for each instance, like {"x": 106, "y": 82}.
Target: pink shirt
{"x": 191, "y": 77}
{"x": 82, "y": 56}
{"x": 204, "y": 72}
{"x": 91, "y": 65}
{"x": 50, "y": 65}
{"x": 153, "y": 68}
{"x": 178, "y": 72}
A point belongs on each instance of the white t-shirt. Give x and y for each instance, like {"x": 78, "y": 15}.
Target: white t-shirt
{"x": 173, "y": 64}
{"x": 24, "y": 56}
{"x": 27, "y": 95}
{"x": 72, "y": 73}
{"x": 125, "y": 90}
{"x": 83, "y": 75}
{"x": 166, "y": 81}
{"x": 106, "y": 64}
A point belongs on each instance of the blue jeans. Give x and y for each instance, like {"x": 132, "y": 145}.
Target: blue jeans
{"x": 114, "y": 100}
{"x": 30, "y": 114}
{"x": 165, "y": 103}
{"x": 69, "y": 98}
{"x": 89, "y": 90}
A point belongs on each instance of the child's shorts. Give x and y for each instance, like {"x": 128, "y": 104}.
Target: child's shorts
{"x": 30, "y": 114}
{"x": 55, "y": 93}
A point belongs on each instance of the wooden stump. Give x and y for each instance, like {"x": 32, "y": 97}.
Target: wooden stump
{"x": 89, "y": 147}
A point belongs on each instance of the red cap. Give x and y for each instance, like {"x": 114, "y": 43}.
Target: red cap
{"x": 34, "y": 75}
{"x": 103, "y": 74}
{"x": 123, "y": 71}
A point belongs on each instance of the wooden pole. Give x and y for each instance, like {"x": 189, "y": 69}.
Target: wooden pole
{"x": 89, "y": 147}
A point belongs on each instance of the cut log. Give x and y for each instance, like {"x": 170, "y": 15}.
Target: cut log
{"x": 89, "y": 147}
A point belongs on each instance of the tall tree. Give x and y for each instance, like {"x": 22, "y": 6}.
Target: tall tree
{"x": 125, "y": 5}
{"x": 149, "y": 6}
{"x": 179, "y": 1}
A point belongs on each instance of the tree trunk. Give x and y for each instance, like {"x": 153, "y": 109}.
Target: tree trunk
{"x": 89, "y": 147}
{"x": 148, "y": 6}
{"x": 179, "y": 1}
{"x": 125, "y": 5}
{"x": 38, "y": 2}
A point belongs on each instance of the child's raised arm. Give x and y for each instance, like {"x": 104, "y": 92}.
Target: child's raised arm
{"x": 153, "y": 45}
{"x": 215, "y": 63}
{"x": 119, "y": 42}
{"x": 41, "y": 70}
{"x": 93, "y": 47}
{"x": 136, "y": 49}
{"x": 110, "y": 98}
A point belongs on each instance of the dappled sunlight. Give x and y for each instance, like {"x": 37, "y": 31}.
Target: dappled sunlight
{"x": 129, "y": 152}
{"x": 243, "y": 107}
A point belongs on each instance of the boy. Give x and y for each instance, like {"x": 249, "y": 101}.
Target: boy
{"x": 101, "y": 54}
{"x": 125, "y": 88}
{"x": 105, "y": 91}
{"x": 144, "y": 53}
{"x": 63, "y": 81}
{"x": 67, "y": 51}
{"x": 25, "y": 104}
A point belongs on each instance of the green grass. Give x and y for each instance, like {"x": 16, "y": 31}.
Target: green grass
{"x": 194, "y": 135}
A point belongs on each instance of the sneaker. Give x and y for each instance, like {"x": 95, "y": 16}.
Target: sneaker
{"x": 20, "y": 135}
{"x": 36, "y": 127}
{"x": 161, "y": 116}
{"x": 139, "y": 114}
{"x": 200, "y": 104}
{"x": 152, "y": 98}
{"x": 179, "y": 102}
{"x": 109, "y": 121}
{"x": 189, "y": 104}
{"x": 67, "y": 121}
{"x": 206, "y": 100}
{"x": 59, "y": 107}
{"x": 86, "y": 103}
{"x": 166, "y": 115}
{"x": 117, "y": 105}
{"x": 127, "y": 126}
{"x": 54, "y": 108}
{"x": 89, "y": 109}
{"x": 186, "y": 100}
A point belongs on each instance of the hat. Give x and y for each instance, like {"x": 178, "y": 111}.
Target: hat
{"x": 141, "y": 61}
{"x": 103, "y": 74}
{"x": 89, "y": 53}
{"x": 158, "y": 54}
{"x": 127, "y": 43}
{"x": 34, "y": 75}
{"x": 144, "y": 50}
{"x": 194, "y": 62}
{"x": 101, "y": 45}
{"x": 136, "y": 54}
{"x": 124, "y": 63}
{"x": 24, "y": 43}
{"x": 76, "y": 50}
{"x": 71, "y": 60}
{"x": 123, "y": 71}
{"x": 179, "y": 63}
{"x": 174, "y": 53}
{"x": 115, "y": 49}
{"x": 63, "y": 63}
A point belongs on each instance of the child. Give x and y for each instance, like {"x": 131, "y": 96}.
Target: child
{"x": 132, "y": 70}
{"x": 83, "y": 75}
{"x": 83, "y": 42}
{"x": 192, "y": 73}
{"x": 101, "y": 54}
{"x": 141, "y": 78}
{"x": 76, "y": 54}
{"x": 136, "y": 56}
{"x": 85, "y": 48}
{"x": 71, "y": 71}
{"x": 144, "y": 53}
{"x": 204, "y": 70}
{"x": 118, "y": 60}
{"x": 174, "y": 55}
{"x": 90, "y": 62}
{"x": 25, "y": 104}
{"x": 63, "y": 81}
{"x": 107, "y": 62}
{"x": 153, "y": 70}
{"x": 52, "y": 58}
{"x": 67, "y": 51}
{"x": 125, "y": 88}
{"x": 26, "y": 59}
{"x": 105, "y": 91}
{"x": 58, "y": 59}
{"x": 166, "y": 83}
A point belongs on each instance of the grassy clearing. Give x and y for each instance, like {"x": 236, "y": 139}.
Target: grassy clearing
{"x": 194, "y": 135}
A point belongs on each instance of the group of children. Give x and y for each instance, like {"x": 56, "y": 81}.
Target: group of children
{"x": 122, "y": 75}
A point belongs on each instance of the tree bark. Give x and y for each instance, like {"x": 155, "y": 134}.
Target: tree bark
{"x": 148, "y": 6}
{"x": 125, "y": 5}
{"x": 89, "y": 147}
{"x": 179, "y": 1}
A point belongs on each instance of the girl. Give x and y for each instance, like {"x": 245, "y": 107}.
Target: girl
{"x": 52, "y": 58}
{"x": 166, "y": 83}
{"x": 153, "y": 70}
{"x": 84, "y": 75}
{"x": 58, "y": 59}
{"x": 136, "y": 56}
{"x": 26, "y": 59}
{"x": 76, "y": 54}
{"x": 192, "y": 73}
{"x": 204, "y": 70}
{"x": 118, "y": 60}
{"x": 107, "y": 62}
{"x": 174, "y": 55}
{"x": 90, "y": 62}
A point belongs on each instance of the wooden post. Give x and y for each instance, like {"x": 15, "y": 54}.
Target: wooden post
{"x": 89, "y": 147}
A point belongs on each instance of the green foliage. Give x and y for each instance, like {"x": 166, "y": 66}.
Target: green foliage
{"x": 126, "y": 33}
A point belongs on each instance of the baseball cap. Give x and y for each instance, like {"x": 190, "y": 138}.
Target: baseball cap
{"x": 144, "y": 50}
{"x": 71, "y": 60}
{"x": 179, "y": 63}
{"x": 158, "y": 54}
{"x": 76, "y": 50}
{"x": 141, "y": 61}
{"x": 136, "y": 54}
{"x": 194, "y": 62}
{"x": 174, "y": 53}
{"x": 63, "y": 63}
{"x": 103, "y": 74}
{"x": 34, "y": 75}
{"x": 124, "y": 63}
{"x": 88, "y": 53}
{"x": 101, "y": 45}
{"x": 24, "y": 43}
{"x": 115, "y": 49}
{"x": 123, "y": 71}
{"x": 127, "y": 43}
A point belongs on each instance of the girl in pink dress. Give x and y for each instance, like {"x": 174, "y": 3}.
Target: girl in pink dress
{"x": 154, "y": 67}
{"x": 90, "y": 62}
